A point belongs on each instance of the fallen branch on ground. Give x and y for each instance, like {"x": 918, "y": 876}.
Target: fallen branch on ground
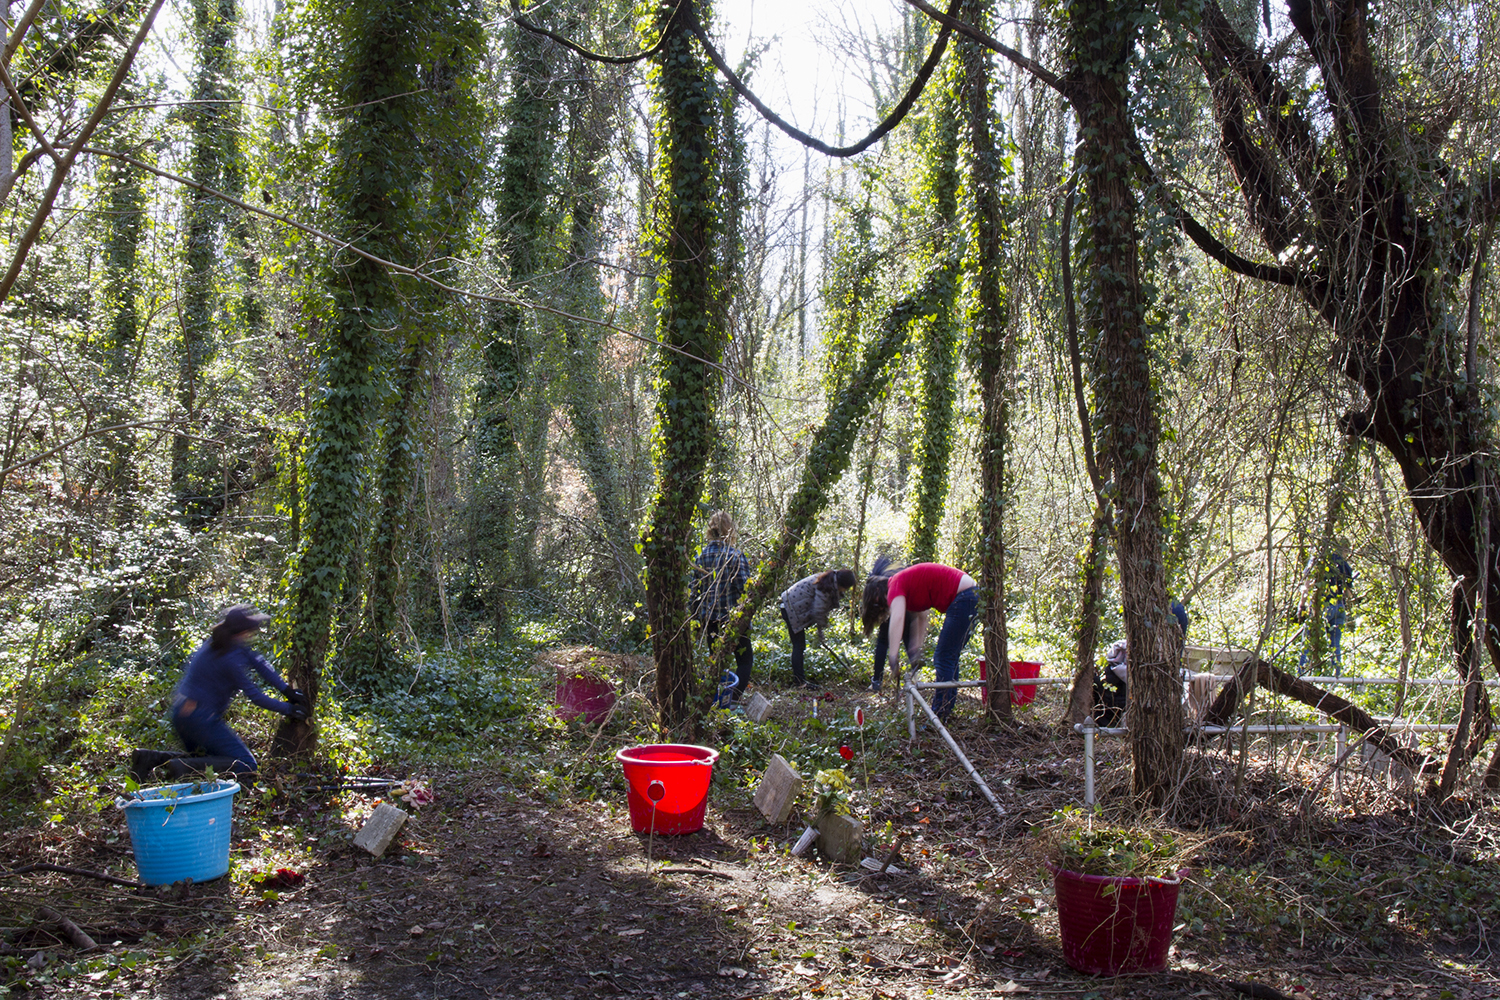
{"x": 73, "y": 932}
{"x": 73, "y": 871}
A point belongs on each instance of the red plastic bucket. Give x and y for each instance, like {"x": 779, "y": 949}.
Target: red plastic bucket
{"x": 1112, "y": 925}
{"x": 1022, "y": 694}
{"x": 583, "y": 694}
{"x": 683, "y": 772}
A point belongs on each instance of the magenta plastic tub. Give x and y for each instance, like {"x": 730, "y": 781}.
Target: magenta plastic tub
{"x": 1115, "y": 925}
{"x": 583, "y": 694}
{"x": 676, "y": 776}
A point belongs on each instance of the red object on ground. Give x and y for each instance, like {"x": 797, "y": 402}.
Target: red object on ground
{"x": 1022, "y": 694}
{"x": 583, "y": 694}
{"x": 1113, "y": 925}
{"x": 281, "y": 879}
{"x": 846, "y": 753}
{"x": 684, "y": 772}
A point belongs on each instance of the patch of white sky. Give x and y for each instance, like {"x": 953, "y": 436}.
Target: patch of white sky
{"x": 809, "y": 63}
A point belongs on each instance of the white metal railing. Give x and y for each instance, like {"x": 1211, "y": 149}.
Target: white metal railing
{"x": 1222, "y": 656}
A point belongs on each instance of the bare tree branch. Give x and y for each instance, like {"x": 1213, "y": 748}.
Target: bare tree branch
{"x": 591, "y": 56}
{"x": 918, "y": 84}
{"x": 1030, "y": 65}
{"x": 60, "y": 172}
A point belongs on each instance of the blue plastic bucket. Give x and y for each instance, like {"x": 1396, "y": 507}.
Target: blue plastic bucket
{"x": 727, "y": 684}
{"x": 180, "y": 833}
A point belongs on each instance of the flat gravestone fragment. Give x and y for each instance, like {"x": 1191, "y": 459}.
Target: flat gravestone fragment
{"x": 759, "y": 709}
{"x": 841, "y": 839}
{"x": 778, "y": 790}
{"x": 380, "y": 829}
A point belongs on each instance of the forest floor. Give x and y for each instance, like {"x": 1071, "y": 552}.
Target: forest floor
{"x": 509, "y": 884}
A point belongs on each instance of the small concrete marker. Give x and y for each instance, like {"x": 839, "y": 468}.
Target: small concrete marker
{"x": 841, "y": 839}
{"x": 778, "y": 790}
{"x": 380, "y": 829}
{"x": 759, "y": 709}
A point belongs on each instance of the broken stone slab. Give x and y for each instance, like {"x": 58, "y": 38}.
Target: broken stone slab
{"x": 759, "y": 708}
{"x": 841, "y": 839}
{"x": 380, "y": 829}
{"x": 778, "y": 790}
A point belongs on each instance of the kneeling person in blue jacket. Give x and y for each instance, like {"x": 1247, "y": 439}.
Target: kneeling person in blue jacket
{"x": 217, "y": 670}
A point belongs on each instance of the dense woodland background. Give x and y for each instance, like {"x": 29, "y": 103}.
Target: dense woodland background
{"x": 439, "y": 337}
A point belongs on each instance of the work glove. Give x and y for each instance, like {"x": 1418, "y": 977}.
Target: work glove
{"x": 301, "y": 707}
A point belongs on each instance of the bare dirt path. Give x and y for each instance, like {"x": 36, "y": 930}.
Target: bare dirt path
{"x": 501, "y": 888}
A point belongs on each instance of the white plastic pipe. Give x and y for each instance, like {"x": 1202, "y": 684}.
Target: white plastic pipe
{"x": 913, "y": 696}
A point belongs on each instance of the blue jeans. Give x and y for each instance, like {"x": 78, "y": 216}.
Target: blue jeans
{"x": 203, "y": 733}
{"x": 957, "y": 623}
{"x": 1336, "y": 616}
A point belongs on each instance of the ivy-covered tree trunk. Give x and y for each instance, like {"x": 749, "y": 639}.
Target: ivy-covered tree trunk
{"x": 373, "y": 181}
{"x": 832, "y": 450}
{"x": 448, "y": 191}
{"x": 121, "y": 347}
{"x": 126, "y": 197}
{"x": 505, "y": 423}
{"x": 686, "y": 227}
{"x": 215, "y": 129}
{"x": 989, "y": 318}
{"x": 1101, "y": 36}
{"x": 937, "y": 345}
{"x": 592, "y": 128}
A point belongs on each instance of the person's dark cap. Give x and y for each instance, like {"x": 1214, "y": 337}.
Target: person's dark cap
{"x": 241, "y": 618}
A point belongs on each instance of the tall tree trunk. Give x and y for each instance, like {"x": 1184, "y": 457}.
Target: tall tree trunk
{"x": 374, "y": 184}
{"x": 215, "y": 129}
{"x": 937, "y": 345}
{"x": 989, "y": 316}
{"x": 448, "y": 197}
{"x": 686, "y": 224}
{"x": 592, "y": 128}
{"x": 507, "y": 424}
{"x": 1101, "y": 38}
{"x": 126, "y": 198}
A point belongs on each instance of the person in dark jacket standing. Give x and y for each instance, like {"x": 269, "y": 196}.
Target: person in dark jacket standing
{"x": 719, "y": 576}
{"x": 217, "y": 670}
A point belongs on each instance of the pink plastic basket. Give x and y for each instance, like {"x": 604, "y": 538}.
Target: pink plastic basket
{"x": 1114, "y": 925}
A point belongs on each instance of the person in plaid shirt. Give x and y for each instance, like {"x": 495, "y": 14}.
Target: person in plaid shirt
{"x": 719, "y": 576}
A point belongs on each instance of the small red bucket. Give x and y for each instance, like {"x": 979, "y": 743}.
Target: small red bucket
{"x": 1113, "y": 925}
{"x": 583, "y": 694}
{"x": 680, "y": 774}
{"x": 1022, "y": 694}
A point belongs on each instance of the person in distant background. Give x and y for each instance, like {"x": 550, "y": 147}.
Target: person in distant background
{"x": 1336, "y": 576}
{"x": 915, "y": 591}
{"x": 1112, "y": 682}
{"x": 1111, "y": 686}
{"x": 719, "y": 576}
{"x": 807, "y": 602}
{"x": 217, "y": 670}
